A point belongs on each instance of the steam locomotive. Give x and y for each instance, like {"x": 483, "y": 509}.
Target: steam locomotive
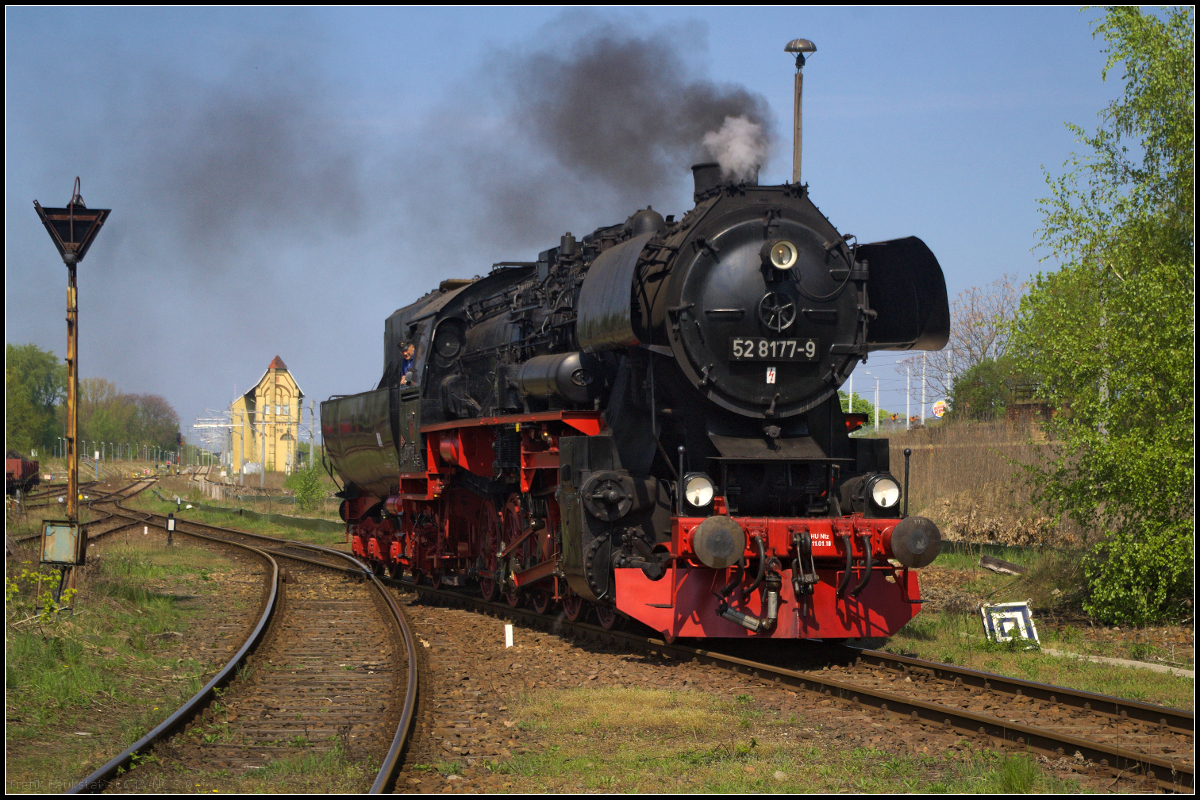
{"x": 644, "y": 423}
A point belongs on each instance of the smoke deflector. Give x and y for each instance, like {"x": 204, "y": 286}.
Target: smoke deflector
{"x": 907, "y": 291}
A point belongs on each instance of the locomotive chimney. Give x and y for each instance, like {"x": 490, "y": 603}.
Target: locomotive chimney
{"x": 799, "y": 47}
{"x": 707, "y": 176}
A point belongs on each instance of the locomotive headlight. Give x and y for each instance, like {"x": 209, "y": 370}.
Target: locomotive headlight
{"x": 783, "y": 255}
{"x": 698, "y": 490}
{"x": 885, "y": 492}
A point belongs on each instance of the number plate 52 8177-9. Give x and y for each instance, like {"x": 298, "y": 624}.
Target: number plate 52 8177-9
{"x": 757, "y": 348}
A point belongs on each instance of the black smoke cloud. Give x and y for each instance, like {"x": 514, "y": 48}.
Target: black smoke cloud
{"x": 574, "y": 129}
{"x": 579, "y": 128}
{"x": 620, "y": 109}
{"x": 256, "y": 156}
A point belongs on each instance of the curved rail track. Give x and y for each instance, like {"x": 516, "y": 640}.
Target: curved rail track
{"x": 315, "y": 668}
{"x": 42, "y": 495}
{"x": 124, "y": 493}
{"x": 1152, "y": 744}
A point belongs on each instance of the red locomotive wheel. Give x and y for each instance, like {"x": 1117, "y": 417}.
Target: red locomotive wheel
{"x": 572, "y": 605}
{"x": 539, "y": 599}
{"x": 607, "y": 617}
{"x": 489, "y": 530}
{"x": 512, "y": 525}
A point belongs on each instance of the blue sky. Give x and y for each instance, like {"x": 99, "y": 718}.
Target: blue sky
{"x": 337, "y": 164}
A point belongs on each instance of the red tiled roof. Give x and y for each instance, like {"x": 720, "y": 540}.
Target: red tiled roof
{"x": 277, "y": 364}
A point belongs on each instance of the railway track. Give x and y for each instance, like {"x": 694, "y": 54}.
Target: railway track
{"x": 48, "y": 495}
{"x": 109, "y": 522}
{"x": 1151, "y": 745}
{"x": 317, "y": 672}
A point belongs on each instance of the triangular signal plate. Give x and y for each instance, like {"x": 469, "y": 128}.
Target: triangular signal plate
{"x": 74, "y": 228}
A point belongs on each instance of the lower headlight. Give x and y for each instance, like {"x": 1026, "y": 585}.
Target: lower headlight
{"x": 698, "y": 490}
{"x": 885, "y": 492}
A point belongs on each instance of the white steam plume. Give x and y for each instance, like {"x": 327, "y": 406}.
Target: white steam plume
{"x": 740, "y": 147}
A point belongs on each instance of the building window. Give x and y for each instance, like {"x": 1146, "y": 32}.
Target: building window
{"x": 286, "y": 410}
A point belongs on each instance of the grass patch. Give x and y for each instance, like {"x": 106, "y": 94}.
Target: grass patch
{"x": 148, "y": 502}
{"x": 329, "y": 769}
{"x": 1053, "y": 579}
{"x": 107, "y": 671}
{"x": 278, "y": 496}
{"x": 957, "y": 638}
{"x": 619, "y": 739}
{"x": 965, "y": 555}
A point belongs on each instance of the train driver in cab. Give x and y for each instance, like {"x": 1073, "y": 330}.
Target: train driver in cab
{"x": 409, "y": 352}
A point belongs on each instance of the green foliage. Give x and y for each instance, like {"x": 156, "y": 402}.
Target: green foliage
{"x": 1111, "y": 335}
{"x": 35, "y": 381}
{"x": 308, "y": 486}
{"x": 107, "y": 414}
{"x": 864, "y": 406}
{"x": 984, "y": 391}
{"x": 35, "y": 387}
{"x": 37, "y": 598}
{"x": 1015, "y": 775}
{"x": 1143, "y": 573}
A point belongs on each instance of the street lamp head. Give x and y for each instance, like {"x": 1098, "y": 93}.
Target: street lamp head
{"x": 800, "y": 47}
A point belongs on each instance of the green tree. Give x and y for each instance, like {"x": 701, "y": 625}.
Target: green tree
{"x": 864, "y": 406}
{"x": 1111, "y": 334}
{"x": 109, "y": 415}
{"x": 35, "y": 381}
{"x": 985, "y": 390}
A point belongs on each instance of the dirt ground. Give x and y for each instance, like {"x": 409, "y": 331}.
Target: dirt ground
{"x": 557, "y": 715}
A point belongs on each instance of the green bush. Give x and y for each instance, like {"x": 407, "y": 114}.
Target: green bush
{"x": 985, "y": 390}
{"x": 1142, "y": 574}
{"x": 306, "y": 483}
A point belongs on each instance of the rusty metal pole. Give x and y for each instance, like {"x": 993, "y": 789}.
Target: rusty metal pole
{"x": 73, "y": 229}
{"x": 73, "y": 406}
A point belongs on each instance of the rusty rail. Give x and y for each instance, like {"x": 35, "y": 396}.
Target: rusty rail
{"x": 102, "y": 776}
{"x": 392, "y": 760}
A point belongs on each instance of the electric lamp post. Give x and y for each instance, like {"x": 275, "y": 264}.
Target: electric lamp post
{"x": 799, "y": 48}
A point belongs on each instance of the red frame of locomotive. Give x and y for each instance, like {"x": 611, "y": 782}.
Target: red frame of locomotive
{"x": 432, "y": 529}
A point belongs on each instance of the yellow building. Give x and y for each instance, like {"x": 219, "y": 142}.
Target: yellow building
{"x": 265, "y": 422}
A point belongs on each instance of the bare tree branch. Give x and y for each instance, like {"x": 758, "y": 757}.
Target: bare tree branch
{"x": 980, "y": 321}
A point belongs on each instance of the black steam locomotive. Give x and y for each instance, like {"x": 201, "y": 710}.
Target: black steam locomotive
{"x": 645, "y": 423}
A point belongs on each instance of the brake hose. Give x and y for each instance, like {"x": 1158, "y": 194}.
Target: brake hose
{"x": 845, "y": 581}
{"x": 866, "y": 537}
{"x": 762, "y": 566}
